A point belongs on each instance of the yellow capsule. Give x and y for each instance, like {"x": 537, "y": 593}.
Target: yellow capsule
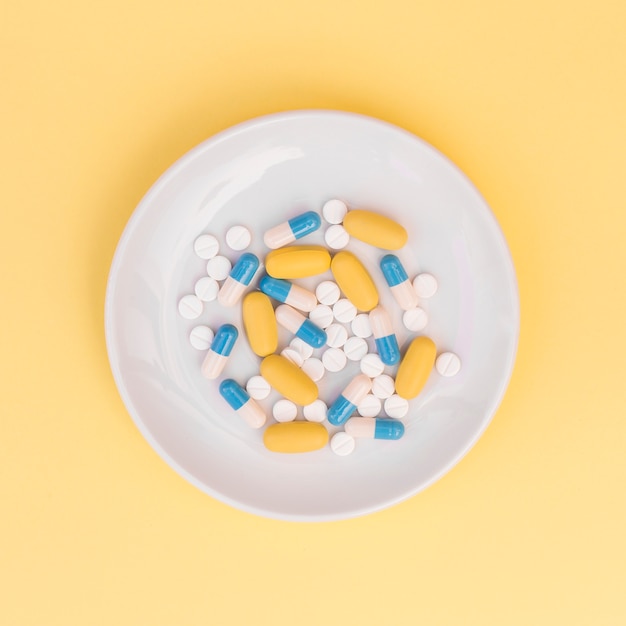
{"x": 375, "y": 229}
{"x": 354, "y": 280}
{"x": 288, "y": 379}
{"x": 415, "y": 367}
{"x": 297, "y": 261}
{"x": 293, "y": 437}
{"x": 259, "y": 322}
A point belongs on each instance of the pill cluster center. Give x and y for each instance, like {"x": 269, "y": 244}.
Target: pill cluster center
{"x": 329, "y": 326}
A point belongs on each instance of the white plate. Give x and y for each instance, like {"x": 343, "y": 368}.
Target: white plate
{"x": 259, "y": 174}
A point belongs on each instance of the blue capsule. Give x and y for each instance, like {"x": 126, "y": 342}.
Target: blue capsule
{"x": 289, "y": 231}
{"x": 239, "y": 400}
{"x": 300, "y": 326}
{"x": 221, "y": 347}
{"x": 284, "y": 291}
{"x": 239, "y": 278}
{"x": 384, "y": 337}
{"x": 374, "y": 428}
{"x": 398, "y": 281}
{"x": 345, "y": 405}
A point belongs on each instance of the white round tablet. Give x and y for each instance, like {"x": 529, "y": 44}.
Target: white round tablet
{"x": 201, "y": 337}
{"x": 336, "y": 237}
{"x": 371, "y": 365}
{"x": 344, "y": 311}
{"x": 334, "y": 359}
{"x": 190, "y": 307}
{"x": 448, "y": 364}
{"x": 314, "y": 369}
{"x": 284, "y": 411}
{"x": 327, "y": 292}
{"x": 334, "y": 211}
{"x": 383, "y": 386}
{"x": 218, "y": 267}
{"x": 316, "y": 411}
{"x": 336, "y": 335}
{"x": 258, "y": 388}
{"x": 238, "y": 237}
{"x": 206, "y": 246}
{"x": 361, "y": 326}
{"x": 291, "y": 354}
{"x": 342, "y": 444}
{"x": 397, "y": 407}
{"x": 415, "y": 319}
{"x": 206, "y": 289}
{"x": 425, "y": 285}
{"x": 355, "y": 348}
{"x": 370, "y": 406}
{"x": 321, "y": 316}
{"x": 305, "y": 350}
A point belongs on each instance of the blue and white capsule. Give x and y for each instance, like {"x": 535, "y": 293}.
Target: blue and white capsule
{"x": 300, "y": 326}
{"x": 345, "y": 405}
{"x": 296, "y": 228}
{"x": 221, "y": 347}
{"x": 245, "y": 406}
{"x": 398, "y": 281}
{"x": 284, "y": 291}
{"x": 239, "y": 278}
{"x": 385, "y": 338}
{"x": 374, "y": 428}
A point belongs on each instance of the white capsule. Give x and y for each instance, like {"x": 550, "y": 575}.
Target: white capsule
{"x": 334, "y": 359}
{"x": 284, "y": 411}
{"x": 344, "y": 311}
{"x": 370, "y": 406}
{"x": 357, "y": 389}
{"x": 336, "y": 335}
{"x": 258, "y": 388}
{"x": 315, "y": 412}
{"x": 238, "y": 237}
{"x": 383, "y": 386}
{"x": 371, "y": 365}
{"x": 355, "y": 348}
{"x": 397, "y": 407}
{"x": 425, "y": 285}
{"x": 327, "y": 292}
{"x": 252, "y": 414}
{"x": 405, "y": 295}
{"x": 415, "y": 319}
{"x": 190, "y": 307}
{"x": 206, "y": 289}
{"x": 289, "y": 318}
{"x": 201, "y": 337}
{"x": 314, "y": 369}
{"x": 305, "y": 350}
{"x": 336, "y": 237}
{"x": 361, "y": 326}
{"x": 448, "y": 364}
{"x": 218, "y": 267}
{"x": 213, "y": 365}
{"x": 342, "y": 444}
{"x": 301, "y": 299}
{"x": 321, "y": 316}
{"x": 334, "y": 211}
{"x": 231, "y": 292}
{"x": 206, "y": 246}
{"x": 291, "y": 354}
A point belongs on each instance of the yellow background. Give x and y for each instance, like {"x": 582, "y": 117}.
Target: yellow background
{"x": 98, "y": 99}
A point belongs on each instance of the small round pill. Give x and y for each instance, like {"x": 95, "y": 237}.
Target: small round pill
{"x": 334, "y": 359}
{"x": 415, "y": 319}
{"x": 327, "y": 292}
{"x": 397, "y": 407}
{"x": 258, "y": 388}
{"x": 314, "y": 369}
{"x": 342, "y": 444}
{"x": 284, "y": 411}
{"x": 291, "y": 354}
{"x": 370, "y": 406}
{"x": 336, "y": 335}
{"x": 355, "y": 348}
{"x": 206, "y": 246}
{"x": 238, "y": 237}
{"x": 316, "y": 411}
{"x": 305, "y": 350}
{"x": 344, "y": 311}
{"x": 425, "y": 285}
{"x": 321, "y": 316}
{"x": 201, "y": 337}
{"x": 371, "y": 365}
{"x": 206, "y": 289}
{"x": 334, "y": 211}
{"x": 190, "y": 307}
{"x": 448, "y": 364}
{"x": 336, "y": 237}
{"x": 361, "y": 326}
{"x": 218, "y": 267}
{"x": 383, "y": 386}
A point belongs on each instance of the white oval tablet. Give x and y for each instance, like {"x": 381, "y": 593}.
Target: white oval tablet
{"x": 336, "y": 335}
{"x": 334, "y": 359}
{"x": 206, "y": 289}
{"x": 327, "y": 292}
{"x": 415, "y": 319}
{"x": 361, "y": 326}
{"x": 284, "y": 411}
{"x": 321, "y": 316}
{"x": 336, "y": 237}
{"x": 218, "y": 267}
{"x": 201, "y": 337}
{"x": 344, "y": 311}
{"x": 206, "y": 246}
{"x": 371, "y": 365}
{"x": 238, "y": 237}
{"x": 370, "y": 406}
{"x": 425, "y": 285}
{"x": 448, "y": 364}
{"x": 342, "y": 444}
{"x": 258, "y": 388}
{"x": 397, "y": 407}
{"x": 190, "y": 307}
{"x": 334, "y": 211}
{"x": 291, "y": 354}
{"x": 355, "y": 348}
{"x": 383, "y": 386}
{"x": 316, "y": 411}
{"x": 314, "y": 369}
{"x": 305, "y": 350}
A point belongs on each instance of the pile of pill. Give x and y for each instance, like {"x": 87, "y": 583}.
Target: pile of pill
{"x": 341, "y": 320}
